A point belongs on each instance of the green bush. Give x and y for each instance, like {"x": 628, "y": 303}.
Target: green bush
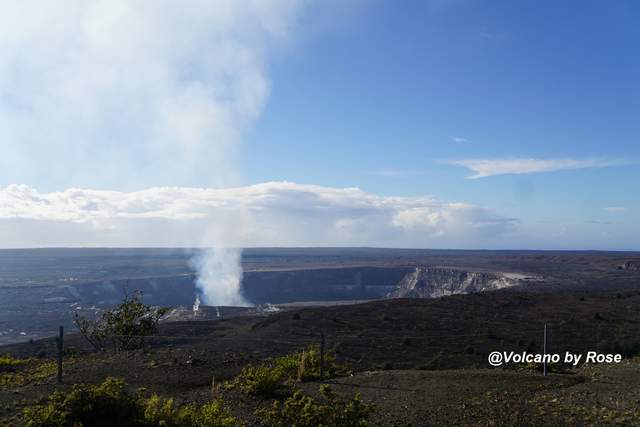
{"x": 124, "y": 327}
{"x": 110, "y": 404}
{"x": 29, "y": 372}
{"x": 267, "y": 378}
{"x": 304, "y": 411}
{"x": 263, "y": 380}
{"x": 10, "y": 364}
{"x": 163, "y": 412}
{"x": 309, "y": 365}
{"x": 106, "y": 404}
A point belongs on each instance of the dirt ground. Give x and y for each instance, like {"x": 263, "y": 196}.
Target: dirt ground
{"x": 596, "y": 395}
{"x": 421, "y": 362}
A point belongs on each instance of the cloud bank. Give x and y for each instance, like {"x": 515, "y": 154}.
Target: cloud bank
{"x": 268, "y": 214}
{"x": 483, "y": 168}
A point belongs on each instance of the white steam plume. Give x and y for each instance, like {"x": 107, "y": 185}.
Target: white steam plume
{"x": 129, "y": 93}
{"x": 219, "y": 266}
{"x": 219, "y": 276}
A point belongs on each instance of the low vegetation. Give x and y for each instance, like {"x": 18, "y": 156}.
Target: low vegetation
{"x": 596, "y": 394}
{"x": 555, "y": 368}
{"x": 20, "y": 372}
{"x": 274, "y": 375}
{"x": 110, "y": 404}
{"x": 301, "y": 410}
{"x": 123, "y": 328}
{"x": 10, "y": 364}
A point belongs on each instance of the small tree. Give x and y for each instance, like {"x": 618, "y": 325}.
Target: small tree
{"x": 125, "y": 326}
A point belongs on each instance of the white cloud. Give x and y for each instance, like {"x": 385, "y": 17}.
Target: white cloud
{"x": 615, "y": 209}
{"x": 458, "y": 139}
{"x": 269, "y": 214}
{"x": 489, "y": 167}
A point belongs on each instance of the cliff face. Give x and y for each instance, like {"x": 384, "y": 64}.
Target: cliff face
{"x": 629, "y": 266}
{"x": 433, "y": 282}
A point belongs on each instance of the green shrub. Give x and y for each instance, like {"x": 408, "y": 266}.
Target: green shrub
{"x": 163, "y": 412}
{"x": 304, "y": 411}
{"x": 110, "y": 404}
{"x": 10, "y": 364}
{"x": 309, "y": 365}
{"x": 124, "y": 327}
{"x": 106, "y": 404}
{"x": 267, "y": 378}
{"x": 263, "y": 380}
{"x": 29, "y": 372}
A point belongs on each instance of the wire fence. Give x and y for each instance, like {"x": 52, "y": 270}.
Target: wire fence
{"x": 365, "y": 349}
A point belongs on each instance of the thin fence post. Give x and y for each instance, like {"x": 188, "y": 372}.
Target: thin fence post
{"x": 544, "y": 351}
{"x": 60, "y": 352}
{"x": 321, "y": 356}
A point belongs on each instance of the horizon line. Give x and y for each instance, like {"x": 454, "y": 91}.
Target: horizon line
{"x": 192, "y": 248}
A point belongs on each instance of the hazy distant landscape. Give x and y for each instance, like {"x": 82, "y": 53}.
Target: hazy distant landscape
{"x": 406, "y": 321}
{"x": 42, "y": 288}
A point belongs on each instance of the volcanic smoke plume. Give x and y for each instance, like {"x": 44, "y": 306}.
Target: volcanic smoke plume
{"x": 124, "y": 94}
{"x": 219, "y": 276}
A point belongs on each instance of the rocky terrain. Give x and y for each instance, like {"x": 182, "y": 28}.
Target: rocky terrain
{"x": 433, "y": 282}
{"x": 630, "y": 266}
{"x": 41, "y": 289}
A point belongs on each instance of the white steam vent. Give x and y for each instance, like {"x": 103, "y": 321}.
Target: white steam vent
{"x": 196, "y": 305}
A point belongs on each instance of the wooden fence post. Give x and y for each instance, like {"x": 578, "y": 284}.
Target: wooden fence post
{"x": 321, "y": 356}
{"x": 60, "y": 341}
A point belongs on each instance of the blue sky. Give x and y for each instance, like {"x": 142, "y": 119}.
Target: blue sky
{"x": 389, "y": 91}
{"x": 515, "y": 79}
{"x": 539, "y": 100}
